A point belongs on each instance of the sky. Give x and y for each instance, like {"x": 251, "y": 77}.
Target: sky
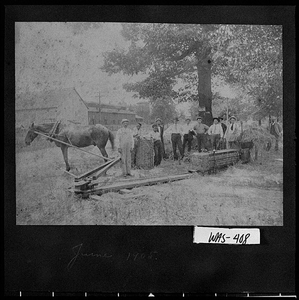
{"x": 53, "y": 55}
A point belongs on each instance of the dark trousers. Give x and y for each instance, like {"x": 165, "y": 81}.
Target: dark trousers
{"x": 187, "y": 139}
{"x": 201, "y": 141}
{"x": 157, "y": 153}
{"x": 276, "y": 144}
{"x": 215, "y": 139}
{"x": 176, "y": 143}
{"x": 163, "y": 147}
{"x": 222, "y": 144}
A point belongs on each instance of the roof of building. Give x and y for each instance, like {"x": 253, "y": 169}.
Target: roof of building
{"x": 108, "y": 108}
{"x": 117, "y": 111}
{"x": 45, "y": 99}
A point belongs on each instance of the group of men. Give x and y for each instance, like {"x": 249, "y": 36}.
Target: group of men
{"x": 181, "y": 135}
{"x": 217, "y": 134}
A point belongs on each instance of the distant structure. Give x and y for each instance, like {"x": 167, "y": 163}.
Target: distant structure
{"x": 107, "y": 114}
{"x": 51, "y": 105}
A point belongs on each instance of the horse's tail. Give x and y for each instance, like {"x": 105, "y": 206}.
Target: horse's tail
{"x": 111, "y": 139}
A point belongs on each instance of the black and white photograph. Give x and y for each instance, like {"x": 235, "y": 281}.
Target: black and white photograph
{"x": 120, "y": 123}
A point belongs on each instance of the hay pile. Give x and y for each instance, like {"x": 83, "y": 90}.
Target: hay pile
{"x": 260, "y": 136}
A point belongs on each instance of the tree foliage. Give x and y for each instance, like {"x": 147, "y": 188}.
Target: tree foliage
{"x": 163, "y": 108}
{"x": 248, "y": 56}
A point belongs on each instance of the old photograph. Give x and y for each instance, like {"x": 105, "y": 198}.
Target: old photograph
{"x": 148, "y": 124}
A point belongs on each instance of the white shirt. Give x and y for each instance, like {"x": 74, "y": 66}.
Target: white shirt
{"x": 187, "y": 127}
{"x": 175, "y": 128}
{"x": 216, "y": 129}
{"x": 155, "y": 135}
{"x": 124, "y": 136}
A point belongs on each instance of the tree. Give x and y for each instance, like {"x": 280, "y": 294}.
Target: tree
{"x": 165, "y": 52}
{"x": 163, "y": 108}
{"x": 252, "y": 62}
{"x": 249, "y": 56}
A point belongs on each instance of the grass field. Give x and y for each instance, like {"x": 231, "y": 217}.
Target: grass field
{"x": 243, "y": 194}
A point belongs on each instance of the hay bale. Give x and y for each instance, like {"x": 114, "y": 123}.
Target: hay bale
{"x": 145, "y": 154}
{"x": 258, "y": 135}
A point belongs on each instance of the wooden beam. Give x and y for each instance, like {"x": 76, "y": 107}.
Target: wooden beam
{"x": 93, "y": 170}
{"x": 133, "y": 184}
{"x": 105, "y": 169}
{"x": 69, "y": 145}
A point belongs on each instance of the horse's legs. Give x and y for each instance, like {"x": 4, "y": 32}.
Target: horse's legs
{"x": 65, "y": 156}
{"x": 103, "y": 151}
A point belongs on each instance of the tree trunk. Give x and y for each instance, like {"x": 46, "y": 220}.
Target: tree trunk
{"x": 204, "y": 83}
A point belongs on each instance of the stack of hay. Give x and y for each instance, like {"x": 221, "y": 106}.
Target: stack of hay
{"x": 145, "y": 154}
{"x": 204, "y": 162}
{"x": 260, "y": 137}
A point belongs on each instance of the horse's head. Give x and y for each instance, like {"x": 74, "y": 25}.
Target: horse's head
{"x": 31, "y": 135}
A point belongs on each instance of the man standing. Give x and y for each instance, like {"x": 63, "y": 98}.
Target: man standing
{"x": 125, "y": 143}
{"x": 201, "y": 130}
{"x": 155, "y": 135}
{"x": 176, "y": 132}
{"x": 222, "y": 144}
{"x": 188, "y": 135}
{"x": 137, "y": 131}
{"x": 232, "y": 133}
{"x": 216, "y": 133}
{"x": 275, "y": 130}
{"x": 161, "y": 131}
{"x": 136, "y": 135}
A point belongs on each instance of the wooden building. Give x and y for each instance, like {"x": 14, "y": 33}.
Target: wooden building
{"x": 48, "y": 106}
{"x": 107, "y": 114}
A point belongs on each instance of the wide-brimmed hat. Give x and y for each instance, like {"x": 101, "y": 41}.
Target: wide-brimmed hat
{"x": 199, "y": 117}
{"x": 232, "y": 117}
{"x": 158, "y": 119}
{"x": 124, "y": 120}
{"x": 216, "y": 119}
{"x": 188, "y": 118}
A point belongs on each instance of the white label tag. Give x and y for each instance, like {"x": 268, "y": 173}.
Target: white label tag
{"x": 232, "y": 236}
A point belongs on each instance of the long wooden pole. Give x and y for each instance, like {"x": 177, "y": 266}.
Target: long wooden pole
{"x": 69, "y": 145}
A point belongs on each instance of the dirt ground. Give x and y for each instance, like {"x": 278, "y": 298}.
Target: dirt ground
{"x": 244, "y": 194}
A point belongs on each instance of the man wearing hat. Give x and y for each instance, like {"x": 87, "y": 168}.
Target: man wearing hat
{"x": 201, "y": 130}
{"x": 137, "y": 130}
{"x": 176, "y": 132}
{"x": 275, "y": 130}
{"x": 188, "y": 134}
{"x": 125, "y": 143}
{"x": 155, "y": 136}
{"x": 232, "y": 133}
{"x": 222, "y": 144}
{"x": 161, "y": 131}
{"x": 136, "y": 135}
{"x": 216, "y": 133}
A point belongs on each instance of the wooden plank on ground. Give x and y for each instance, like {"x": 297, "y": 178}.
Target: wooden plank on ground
{"x": 133, "y": 184}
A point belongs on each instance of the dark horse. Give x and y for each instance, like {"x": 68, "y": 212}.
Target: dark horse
{"x": 76, "y": 135}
